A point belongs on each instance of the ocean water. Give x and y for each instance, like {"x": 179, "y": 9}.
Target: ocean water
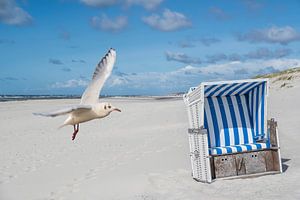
{"x": 4, "y": 98}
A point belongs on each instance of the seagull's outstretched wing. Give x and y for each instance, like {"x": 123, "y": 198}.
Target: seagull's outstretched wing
{"x": 64, "y": 111}
{"x": 102, "y": 72}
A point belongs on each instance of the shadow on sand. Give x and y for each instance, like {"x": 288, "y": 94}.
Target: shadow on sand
{"x": 284, "y": 166}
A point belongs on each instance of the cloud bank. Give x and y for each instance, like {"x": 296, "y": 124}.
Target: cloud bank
{"x": 12, "y": 14}
{"x": 258, "y": 54}
{"x": 181, "y": 57}
{"x": 147, "y": 4}
{"x": 185, "y": 77}
{"x": 181, "y": 79}
{"x": 72, "y": 83}
{"x": 282, "y": 35}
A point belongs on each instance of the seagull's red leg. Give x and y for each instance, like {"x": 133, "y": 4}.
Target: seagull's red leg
{"x": 76, "y": 129}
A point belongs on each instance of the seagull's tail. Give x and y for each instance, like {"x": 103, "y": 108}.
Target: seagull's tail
{"x": 61, "y": 126}
{"x": 68, "y": 121}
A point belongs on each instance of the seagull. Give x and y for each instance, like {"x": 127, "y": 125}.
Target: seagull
{"x": 90, "y": 108}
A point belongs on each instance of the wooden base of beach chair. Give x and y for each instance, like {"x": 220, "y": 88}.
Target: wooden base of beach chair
{"x": 250, "y": 163}
{"x": 235, "y": 165}
{"x": 248, "y": 175}
{"x": 246, "y": 163}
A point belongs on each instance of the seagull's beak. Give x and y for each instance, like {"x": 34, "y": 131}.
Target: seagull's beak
{"x": 117, "y": 109}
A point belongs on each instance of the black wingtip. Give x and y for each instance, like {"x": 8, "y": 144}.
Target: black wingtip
{"x": 112, "y": 49}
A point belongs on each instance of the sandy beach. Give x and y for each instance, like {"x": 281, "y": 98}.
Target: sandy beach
{"x": 139, "y": 154}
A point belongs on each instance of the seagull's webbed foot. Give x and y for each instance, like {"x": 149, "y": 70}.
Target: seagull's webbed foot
{"x": 76, "y": 129}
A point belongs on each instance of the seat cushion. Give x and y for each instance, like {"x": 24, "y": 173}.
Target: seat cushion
{"x": 238, "y": 148}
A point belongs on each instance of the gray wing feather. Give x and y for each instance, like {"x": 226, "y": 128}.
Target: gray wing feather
{"x": 101, "y": 74}
{"x": 64, "y": 111}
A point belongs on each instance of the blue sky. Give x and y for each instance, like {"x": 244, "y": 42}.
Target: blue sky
{"x": 163, "y": 46}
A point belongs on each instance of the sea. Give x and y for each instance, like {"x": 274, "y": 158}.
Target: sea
{"x": 4, "y": 98}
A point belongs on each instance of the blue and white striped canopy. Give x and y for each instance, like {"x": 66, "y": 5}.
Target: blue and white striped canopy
{"x": 234, "y": 113}
{"x": 230, "y": 88}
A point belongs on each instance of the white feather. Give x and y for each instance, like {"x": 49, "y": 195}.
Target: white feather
{"x": 64, "y": 111}
{"x": 101, "y": 74}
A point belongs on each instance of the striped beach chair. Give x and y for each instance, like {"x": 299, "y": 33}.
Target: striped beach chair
{"x": 229, "y": 133}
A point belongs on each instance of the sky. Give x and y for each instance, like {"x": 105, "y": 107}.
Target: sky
{"x": 163, "y": 46}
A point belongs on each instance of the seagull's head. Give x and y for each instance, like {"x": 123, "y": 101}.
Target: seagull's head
{"x": 109, "y": 108}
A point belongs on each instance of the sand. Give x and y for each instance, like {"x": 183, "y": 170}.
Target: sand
{"x": 139, "y": 154}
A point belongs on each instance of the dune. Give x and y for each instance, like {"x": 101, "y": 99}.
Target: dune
{"x": 139, "y": 154}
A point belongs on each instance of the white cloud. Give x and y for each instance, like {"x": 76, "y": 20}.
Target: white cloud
{"x": 253, "y": 67}
{"x": 99, "y": 3}
{"x": 181, "y": 57}
{"x": 11, "y": 14}
{"x": 154, "y": 79}
{"x": 186, "y": 44}
{"x": 147, "y": 80}
{"x": 264, "y": 53}
{"x": 148, "y": 4}
{"x": 260, "y": 53}
{"x": 119, "y": 80}
{"x": 216, "y": 57}
{"x": 73, "y": 83}
{"x": 107, "y": 24}
{"x": 168, "y": 21}
{"x": 208, "y": 41}
{"x": 274, "y": 34}
{"x": 190, "y": 42}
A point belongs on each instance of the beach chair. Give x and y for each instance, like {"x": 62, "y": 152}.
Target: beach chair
{"x": 229, "y": 134}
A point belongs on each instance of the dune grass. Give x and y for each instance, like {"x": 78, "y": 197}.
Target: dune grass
{"x": 283, "y": 75}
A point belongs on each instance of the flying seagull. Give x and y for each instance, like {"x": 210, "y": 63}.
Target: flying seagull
{"x": 90, "y": 108}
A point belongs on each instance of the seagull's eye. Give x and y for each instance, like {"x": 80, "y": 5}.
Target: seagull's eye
{"x": 105, "y": 107}
{"x": 109, "y": 107}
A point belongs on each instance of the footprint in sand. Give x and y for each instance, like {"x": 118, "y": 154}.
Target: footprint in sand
{"x": 30, "y": 169}
{"x": 7, "y": 178}
{"x": 144, "y": 197}
{"x": 91, "y": 174}
{"x": 66, "y": 189}
{"x": 74, "y": 185}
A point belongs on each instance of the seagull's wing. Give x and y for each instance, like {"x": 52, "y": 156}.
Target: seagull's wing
{"x": 102, "y": 72}
{"x": 64, "y": 111}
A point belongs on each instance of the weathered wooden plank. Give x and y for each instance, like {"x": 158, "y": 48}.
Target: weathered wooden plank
{"x": 249, "y": 175}
{"x": 247, "y": 163}
{"x": 255, "y": 162}
{"x": 240, "y": 164}
{"x": 272, "y": 125}
{"x": 269, "y": 160}
{"x": 225, "y": 166}
{"x": 212, "y": 167}
{"x": 276, "y": 165}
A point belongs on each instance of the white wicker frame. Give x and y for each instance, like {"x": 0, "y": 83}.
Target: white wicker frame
{"x": 198, "y": 140}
